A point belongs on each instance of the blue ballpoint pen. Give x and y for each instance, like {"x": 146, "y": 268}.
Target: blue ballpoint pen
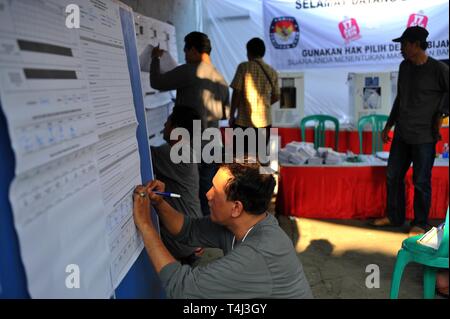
{"x": 167, "y": 194}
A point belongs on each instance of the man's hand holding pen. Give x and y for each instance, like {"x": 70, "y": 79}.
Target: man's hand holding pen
{"x": 153, "y": 187}
{"x": 142, "y": 197}
{"x": 141, "y": 208}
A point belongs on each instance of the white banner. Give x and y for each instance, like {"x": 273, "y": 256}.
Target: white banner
{"x": 330, "y": 33}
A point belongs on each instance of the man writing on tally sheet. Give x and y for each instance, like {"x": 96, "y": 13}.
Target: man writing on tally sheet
{"x": 259, "y": 259}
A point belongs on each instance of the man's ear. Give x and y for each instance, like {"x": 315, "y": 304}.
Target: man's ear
{"x": 237, "y": 209}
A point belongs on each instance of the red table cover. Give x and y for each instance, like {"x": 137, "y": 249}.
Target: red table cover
{"x": 349, "y": 192}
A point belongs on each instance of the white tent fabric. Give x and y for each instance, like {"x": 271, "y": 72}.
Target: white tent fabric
{"x": 231, "y": 23}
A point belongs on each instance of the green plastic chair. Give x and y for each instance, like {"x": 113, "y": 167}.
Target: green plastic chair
{"x": 432, "y": 259}
{"x": 377, "y": 122}
{"x": 319, "y": 129}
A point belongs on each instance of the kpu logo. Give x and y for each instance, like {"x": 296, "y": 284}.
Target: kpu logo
{"x": 349, "y": 30}
{"x": 284, "y": 33}
{"x": 417, "y": 19}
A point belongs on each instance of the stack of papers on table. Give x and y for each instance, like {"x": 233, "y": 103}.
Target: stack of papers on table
{"x": 352, "y": 158}
{"x": 323, "y": 151}
{"x": 382, "y": 155}
{"x": 315, "y": 161}
{"x": 330, "y": 156}
{"x": 297, "y": 158}
{"x": 334, "y": 158}
{"x": 297, "y": 153}
{"x": 441, "y": 162}
{"x": 283, "y": 156}
{"x": 307, "y": 151}
{"x": 293, "y": 147}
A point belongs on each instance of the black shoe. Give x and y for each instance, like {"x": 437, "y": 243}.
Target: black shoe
{"x": 425, "y": 227}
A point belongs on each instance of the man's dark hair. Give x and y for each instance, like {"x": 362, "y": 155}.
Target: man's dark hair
{"x": 199, "y": 41}
{"x": 253, "y": 189}
{"x": 256, "y": 47}
{"x": 183, "y": 116}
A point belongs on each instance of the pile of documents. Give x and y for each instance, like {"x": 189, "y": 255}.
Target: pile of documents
{"x": 352, "y": 158}
{"x": 315, "y": 160}
{"x": 283, "y": 156}
{"x": 334, "y": 158}
{"x": 330, "y": 157}
{"x": 293, "y": 147}
{"x": 382, "y": 155}
{"x": 297, "y": 153}
{"x": 304, "y": 153}
{"x": 323, "y": 151}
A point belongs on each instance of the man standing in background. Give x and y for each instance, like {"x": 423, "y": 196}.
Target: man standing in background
{"x": 199, "y": 85}
{"x": 420, "y": 106}
{"x": 255, "y": 89}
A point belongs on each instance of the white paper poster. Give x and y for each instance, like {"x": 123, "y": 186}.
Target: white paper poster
{"x": 67, "y": 97}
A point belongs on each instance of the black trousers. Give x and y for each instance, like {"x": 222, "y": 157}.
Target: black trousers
{"x": 400, "y": 158}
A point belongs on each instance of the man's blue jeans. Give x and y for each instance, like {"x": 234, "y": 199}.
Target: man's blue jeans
{"x": 400, "y": 158}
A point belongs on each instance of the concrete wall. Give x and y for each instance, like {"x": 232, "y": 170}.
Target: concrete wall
{"x": 180, "y": 13}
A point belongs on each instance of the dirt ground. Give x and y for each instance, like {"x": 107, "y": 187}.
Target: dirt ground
{"x": 339, "y": 255}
